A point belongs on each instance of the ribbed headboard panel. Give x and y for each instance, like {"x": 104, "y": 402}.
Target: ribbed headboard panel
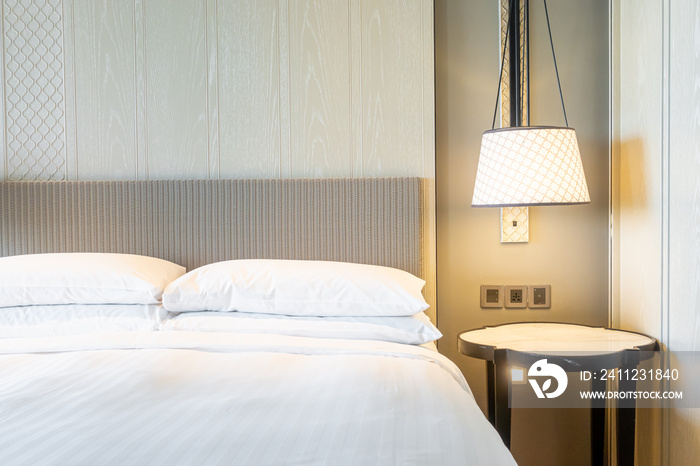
{"x": 366, "y": 220}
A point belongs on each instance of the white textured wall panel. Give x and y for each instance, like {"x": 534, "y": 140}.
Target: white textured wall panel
{"x": 640, "y": 155}
{"x": 105, "y": 69}
{"x": 684, "y": 219}
{"x": 249, "y": 87}
{"x": 392, "y": 87}
{"x": 176, "y": 89}
{"x": 319, "y": 77}
{"x": 154, "y": 89}
{"x": 637, "y": 182}
{"x": 657, "y": 179}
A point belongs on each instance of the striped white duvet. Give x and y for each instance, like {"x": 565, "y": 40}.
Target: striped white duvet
{"x": 195, "y": 398}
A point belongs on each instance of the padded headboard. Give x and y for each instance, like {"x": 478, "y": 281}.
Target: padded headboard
{"x": 192, "y": 223}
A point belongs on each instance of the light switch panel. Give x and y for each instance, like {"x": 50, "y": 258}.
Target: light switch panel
{"x": 491, "y": 296}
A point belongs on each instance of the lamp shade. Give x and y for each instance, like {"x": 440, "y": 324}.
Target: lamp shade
{"x": 529, "y": 165}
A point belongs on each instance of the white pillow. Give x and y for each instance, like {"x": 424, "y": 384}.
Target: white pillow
{"x": 84, "y": 278}
{"x": 70, "y": 319}
{"x": 290, "y": 287}
{"x": 413, "y": 330}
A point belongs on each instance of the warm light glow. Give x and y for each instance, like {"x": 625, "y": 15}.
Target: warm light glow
{"x": 524, "y": 166}
{"x": 517, "y": 374}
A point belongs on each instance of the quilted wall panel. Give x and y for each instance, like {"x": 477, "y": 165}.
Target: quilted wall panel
{"x": 34, "y": 97}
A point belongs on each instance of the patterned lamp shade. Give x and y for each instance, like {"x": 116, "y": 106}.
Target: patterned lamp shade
{"x": 529, "y": 165}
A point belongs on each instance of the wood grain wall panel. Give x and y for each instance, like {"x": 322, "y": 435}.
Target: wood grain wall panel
{"x": 285, "y": 91}
{"x": 106, "y": 102}
{"x": 356, "y": 86}
{"x": 639, "y": 159}
{"x": 684, "y": 252}
{"x": 392, "y": 87}
{"x": 428, "y": 82}
{"x": 249, "y": 89}
{"x": 212, "y": 45}
{"x": 685, "y": 175}
{"x": 319, "y": 79}
{"x": 428, "y": 136}
{"x": 176, "y": 89}
{"x": 659, "y": 97}
{"x": 270, "y": 88}
{"x": 140, "y": 89}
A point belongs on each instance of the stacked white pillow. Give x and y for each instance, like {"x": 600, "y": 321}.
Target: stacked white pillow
{"x": 295, "y": 287}
{"x": 301, "y": 298}
{"x": 84, "y": 278}
{"x": 65, "y": 293}
{"x": 68, "y": 293}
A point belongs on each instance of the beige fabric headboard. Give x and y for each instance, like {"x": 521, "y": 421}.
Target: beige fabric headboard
{"x": 192, "y": 223}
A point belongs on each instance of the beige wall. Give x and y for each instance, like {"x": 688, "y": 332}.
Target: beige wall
{"x": 656, "y": 180}
{"x": 568, "y": 246}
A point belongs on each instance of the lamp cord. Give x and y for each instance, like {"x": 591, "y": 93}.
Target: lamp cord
{"x": 556, "y": 69}
{"x": 503, "y": 60}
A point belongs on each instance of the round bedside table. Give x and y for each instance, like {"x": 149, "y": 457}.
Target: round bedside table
{"x": 572, "y": 347}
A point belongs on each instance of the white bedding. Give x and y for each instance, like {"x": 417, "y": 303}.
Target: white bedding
{"x": 413, "y": 330}
{"x": 70, "y": 319}
{"x": 195, "y": 398}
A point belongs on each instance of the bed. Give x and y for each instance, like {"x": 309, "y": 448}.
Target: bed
{"x": 271, "y": 322}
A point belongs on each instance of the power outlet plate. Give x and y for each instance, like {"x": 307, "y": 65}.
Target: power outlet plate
{"x": 540, "y": 296}
{"x": 492, "y": 296}
{"x": 515, "y": 296}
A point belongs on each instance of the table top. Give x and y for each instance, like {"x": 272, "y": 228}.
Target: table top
{"x": 548, "y": 338}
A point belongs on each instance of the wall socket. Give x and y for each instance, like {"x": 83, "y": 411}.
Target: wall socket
{"x": 515, "y": 296}
{"x": 540, "y": 296}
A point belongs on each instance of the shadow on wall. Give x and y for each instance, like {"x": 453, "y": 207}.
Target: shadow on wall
{"x": 633, "y": 177}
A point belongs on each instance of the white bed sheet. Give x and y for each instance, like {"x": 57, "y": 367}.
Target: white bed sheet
{"x": 413, "y": 330}
{"x": 186, "y": 398}
{"x": 69, "y": 319}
